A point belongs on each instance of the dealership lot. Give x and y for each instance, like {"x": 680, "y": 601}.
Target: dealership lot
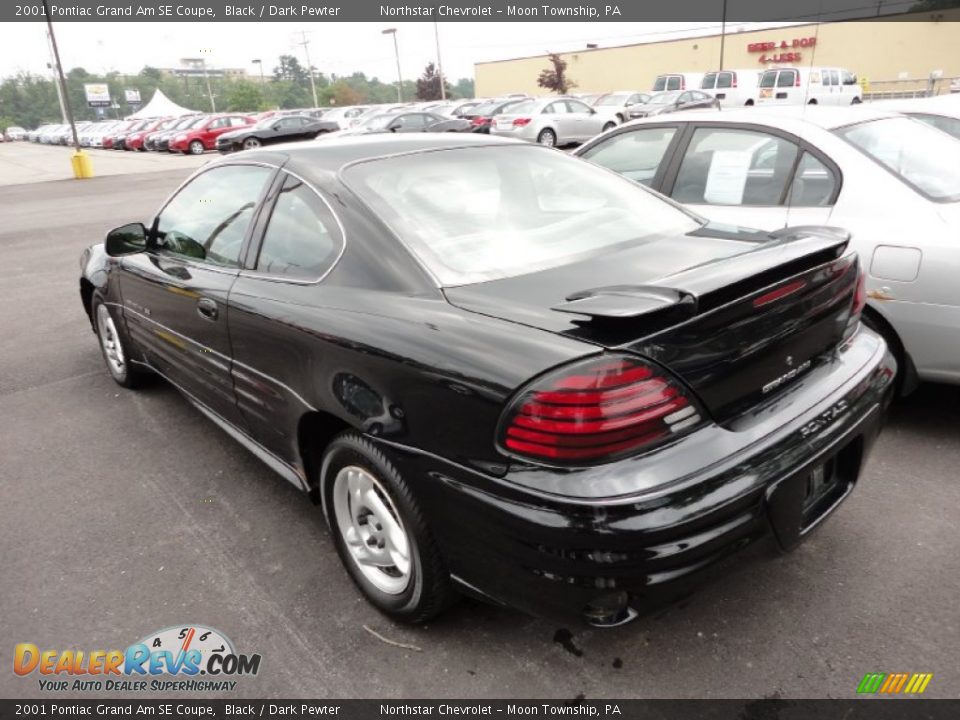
{"x": 124, "y": 513}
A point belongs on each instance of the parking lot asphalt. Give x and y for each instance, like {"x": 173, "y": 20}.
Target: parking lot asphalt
{"x": 127, "y": 512}
{"x": 23, "y": 162}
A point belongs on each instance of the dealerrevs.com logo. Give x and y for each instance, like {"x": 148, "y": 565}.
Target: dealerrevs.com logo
{"x": 180, "y": 658}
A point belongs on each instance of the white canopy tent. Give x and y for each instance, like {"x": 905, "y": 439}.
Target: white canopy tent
{"x": 160, "y": 106}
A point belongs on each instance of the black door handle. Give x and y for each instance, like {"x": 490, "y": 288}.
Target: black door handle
{"x": 207, "y": 308}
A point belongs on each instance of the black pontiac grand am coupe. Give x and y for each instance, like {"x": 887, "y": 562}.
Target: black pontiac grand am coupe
{"x": 501, "y": 370}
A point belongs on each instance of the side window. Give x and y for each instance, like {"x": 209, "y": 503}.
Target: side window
{"x": 217, "y": 123}
{"x": 813, "y": 183}
{"x": 238, "y": 122}
{"x": 787, "y": 78}
{"x": 684, "y": 98}
{"x": 207, "y": 220}
{"x": 302, "y": 239}
{"x": 575, "y": 106}
{"x": 635, "y": 155}
{"x": 725, "y": 80}
{"x": 557, "y": 108}
{"x": 734, "y": 167}
{"x": 949, "y": 125}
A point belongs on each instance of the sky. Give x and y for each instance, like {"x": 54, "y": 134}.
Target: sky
{"x": 337, "y": 48}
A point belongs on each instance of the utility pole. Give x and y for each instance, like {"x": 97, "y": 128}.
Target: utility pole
{"x": 260, "y": 63}
{"x": 306, "y": 52}
{"x": 436, "y": 35}
{"x": 396, "y": 52}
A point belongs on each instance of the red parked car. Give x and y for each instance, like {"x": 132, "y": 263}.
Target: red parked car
{"x": 195, "y": 140}
{"x": 134, "y": 141}
{"x": 117, "y": 131}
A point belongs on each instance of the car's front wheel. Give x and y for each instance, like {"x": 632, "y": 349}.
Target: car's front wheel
{"x": 196, "y": 147}
{"x": 251, "y": 143}
{"x": 380, "y": 532}
{"x": 115, "y": 347}
{"x": 609, "y": 126}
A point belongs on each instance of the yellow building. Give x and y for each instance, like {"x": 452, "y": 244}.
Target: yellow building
{"x": 887, "y": 54}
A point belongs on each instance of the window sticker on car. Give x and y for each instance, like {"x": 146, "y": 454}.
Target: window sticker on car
{"x": 727, "y": 177}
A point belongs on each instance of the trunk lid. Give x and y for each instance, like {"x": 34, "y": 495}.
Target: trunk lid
{"x": 736, "y": 315}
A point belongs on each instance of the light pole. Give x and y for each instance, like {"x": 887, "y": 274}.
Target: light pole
{"x": 80, "y": 162}
{"x": 723, "y": 33}
{"x": 436, "y": 36}
{"x": 259, "y": 62}
{"x": 206, "y": 76}
{"x": 396, "y": 51}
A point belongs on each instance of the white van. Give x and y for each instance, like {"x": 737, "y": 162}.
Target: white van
{"x": 733, "y": 88}
{"x": 677, "y": 81}
{"x": 813, "y": 86}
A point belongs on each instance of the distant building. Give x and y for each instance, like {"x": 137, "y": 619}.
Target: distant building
{"x": 887, "y": 55}
{"x": 194, "y": 67}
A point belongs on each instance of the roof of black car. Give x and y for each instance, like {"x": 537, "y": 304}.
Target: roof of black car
{"x": 331, "y": 154}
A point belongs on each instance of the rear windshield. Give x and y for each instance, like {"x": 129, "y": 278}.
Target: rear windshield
{"x": 769, "y": 79}
{"x": 477, "y": 214}
{"x": 922, "y": 156}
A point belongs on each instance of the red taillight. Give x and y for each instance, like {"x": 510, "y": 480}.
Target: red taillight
{"x": 734, "y": 76}
{"x": 479, "y": 121}
{"x": 520, "y": 122}
{"x": 683, "y": 83}
{"x": 796, "y": 79}
{"x": 597, "y": 410}
{"x": 860, "y": 295}
{"x": 779, "y": 293}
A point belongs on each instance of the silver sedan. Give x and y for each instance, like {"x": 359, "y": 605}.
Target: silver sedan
{"x": 891, "y": 180}
{"x": 551, "y": 121}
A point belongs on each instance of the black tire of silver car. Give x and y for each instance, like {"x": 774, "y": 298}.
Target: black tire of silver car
{"x": 196, "y": 147}
{"x": 117, "y": 349}
{"x": 609, "y": 126}
{"x": 380, "y": 532}
{"x": 547, "y": 137}
{"x": 251, "y": 143}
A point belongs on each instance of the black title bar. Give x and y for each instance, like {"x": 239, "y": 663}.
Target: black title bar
{"x": 474, "y": 10}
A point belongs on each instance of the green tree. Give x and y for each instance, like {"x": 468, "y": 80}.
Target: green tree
{"x": 464, "y": 88}
{"x": 428, "y": 85}
{"x": 555, "y": 77}
{"x": 243, "y": 95}
{"x": 290, "y": 69}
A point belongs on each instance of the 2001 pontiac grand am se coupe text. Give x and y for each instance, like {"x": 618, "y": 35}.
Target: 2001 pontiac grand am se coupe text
{"x": 501, "y": 370}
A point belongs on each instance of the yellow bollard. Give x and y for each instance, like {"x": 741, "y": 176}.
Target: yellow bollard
{"x": 82, "y": 166}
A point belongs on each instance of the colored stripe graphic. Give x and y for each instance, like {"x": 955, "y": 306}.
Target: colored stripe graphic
{"x": 894, "y": 683}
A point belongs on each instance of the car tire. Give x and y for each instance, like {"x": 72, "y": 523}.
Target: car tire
{"x": 251, "y": 143}
{"x": 547, "y": 137}
{"x": 195, "y": 147}
{"x": 748, "y": 103}
{"x": 374, "y": 518}
{"x": 115, "y": 346}
{"x": 856, "y": 101}
{"x": 812, "y": 102}
{"x": 608, "y": 126}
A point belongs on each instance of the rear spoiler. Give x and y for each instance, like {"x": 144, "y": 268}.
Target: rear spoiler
{"x": 679, "y": 297}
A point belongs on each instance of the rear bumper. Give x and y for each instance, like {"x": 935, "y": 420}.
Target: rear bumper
{"x": 556, "y": 557}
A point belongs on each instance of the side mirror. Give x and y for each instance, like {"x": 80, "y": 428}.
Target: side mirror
{"x": 126, "y": 240}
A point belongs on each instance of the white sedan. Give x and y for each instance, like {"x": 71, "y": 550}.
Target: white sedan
{"x": 891, "y": 180}
{"x": 942, "y": 111}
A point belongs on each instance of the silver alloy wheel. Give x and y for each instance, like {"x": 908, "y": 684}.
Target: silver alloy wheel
{"x": 110, "y": 341}
{"x": 372, "y": 530}
{"x": 196, "y": 148}
{"x": 548, "y": 138}
{"x": 251, "y": 143}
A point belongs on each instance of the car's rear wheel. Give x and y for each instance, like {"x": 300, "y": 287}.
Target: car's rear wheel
{"x": 196, "y": 147}
{"x": 380, "y": 532}
{"x": 251, "y": 143}
{"x": 115, "y": 347}
{"x": 547, "y": 137}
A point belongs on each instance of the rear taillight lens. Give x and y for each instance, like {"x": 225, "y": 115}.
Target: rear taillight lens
{"x": 520, "y": 122}
{"x": 595, "y": 411}
{"x": 858, "y": 304}
{"x": 796, "y": 79}
{"x": 479, "y": 121}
